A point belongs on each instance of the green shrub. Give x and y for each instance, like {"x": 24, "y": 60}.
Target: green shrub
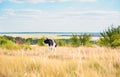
{"x": 10, "y": 45}
{"x": 28, "y": 43}
{"x": 110, "y": 37}
{"x": 3, "y": 40}
{"x": 85, "y": 39}
{"x": 40, "y": 41}
{"x": 61, "y": 42}
{"x": 74, "y": 41}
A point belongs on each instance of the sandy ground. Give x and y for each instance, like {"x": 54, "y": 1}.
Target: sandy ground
{"x": 52, "y": 36}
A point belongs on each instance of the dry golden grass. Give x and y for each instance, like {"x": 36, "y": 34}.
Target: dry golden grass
{"x": 65, "y": 62}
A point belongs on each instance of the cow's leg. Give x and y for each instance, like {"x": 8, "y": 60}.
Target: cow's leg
{"x": 49, "y": 48}
{"x": 54, "y": 49}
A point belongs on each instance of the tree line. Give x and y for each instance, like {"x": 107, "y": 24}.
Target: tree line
{"x": 109, "y": 38}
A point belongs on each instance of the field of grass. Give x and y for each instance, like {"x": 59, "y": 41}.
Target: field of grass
{"x": 65, "y": 62}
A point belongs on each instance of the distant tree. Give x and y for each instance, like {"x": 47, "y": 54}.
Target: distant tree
{"x": 35, "y": 41}
{"x": 10, "y": 38}
{"x": 74, "y": 41}
{"x": 30, "y": 40}
{"x": 61, "y": 42}
{"x": 110, "y": 37}
{"x": 85, "y": 39}
{"x": 19, "y": 42}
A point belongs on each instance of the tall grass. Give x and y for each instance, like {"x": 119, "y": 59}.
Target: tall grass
{"x": 66, "y": 62}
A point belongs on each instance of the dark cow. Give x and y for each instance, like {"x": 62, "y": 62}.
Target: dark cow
{"x": 52, "y": 44}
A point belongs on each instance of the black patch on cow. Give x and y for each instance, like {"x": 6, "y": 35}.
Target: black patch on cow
{"x": 50, "y": 42}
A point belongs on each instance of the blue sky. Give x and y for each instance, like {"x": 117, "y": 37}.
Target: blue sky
{"x": 58, "y": 15}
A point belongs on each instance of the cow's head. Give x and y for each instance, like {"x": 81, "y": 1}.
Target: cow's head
{"x": 46, "y": 41}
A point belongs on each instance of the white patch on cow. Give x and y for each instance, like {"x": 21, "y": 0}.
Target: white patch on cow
{"x": 52, "y": 44}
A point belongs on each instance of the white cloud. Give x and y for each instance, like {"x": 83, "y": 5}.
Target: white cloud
{"x": 38, "y": 14}
{"x": 94, "y": 12}
{"x": 41, "y": 1}
{"x": 38, "y": 20}
{"x": 81, "y": 15}
{"x": 91, "y": 15}
{"x": 30, "y": 11}
{"x": 10, "y": 12}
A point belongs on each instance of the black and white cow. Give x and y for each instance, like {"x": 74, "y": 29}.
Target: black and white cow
{"x": 51, "y": 43}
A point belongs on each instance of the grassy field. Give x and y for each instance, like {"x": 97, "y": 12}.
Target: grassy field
{"x": 65, "y": 62}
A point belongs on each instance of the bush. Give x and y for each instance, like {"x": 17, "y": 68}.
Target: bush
{"x": 10, "y": 45}
{"x": 85, "y": 39}
{"x": 3, "y": 40}
{"x": 110, "y": 37}
{"x": 74, "y": 41}
{"x": 61, "y": 42}
{"x": 40, "y": 41}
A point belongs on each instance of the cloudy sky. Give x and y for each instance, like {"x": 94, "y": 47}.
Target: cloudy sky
{"x": 58, "y": 15}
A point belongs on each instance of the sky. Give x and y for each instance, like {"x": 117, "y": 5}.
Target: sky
{"x": 58, "y": 15}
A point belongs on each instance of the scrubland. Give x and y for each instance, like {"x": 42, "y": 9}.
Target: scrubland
{"x": 65, "y": 62}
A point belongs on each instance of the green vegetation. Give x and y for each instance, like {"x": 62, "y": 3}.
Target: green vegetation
{"x": 74, "y": 41}
{"x": 40, "y": 42}
{"x": 9, "y": 44}
{"x": 33, "y": 61}
{"x": 110, "y": 37}
{"x": 85, "y": 39}
{"x": 61, "y": 42}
